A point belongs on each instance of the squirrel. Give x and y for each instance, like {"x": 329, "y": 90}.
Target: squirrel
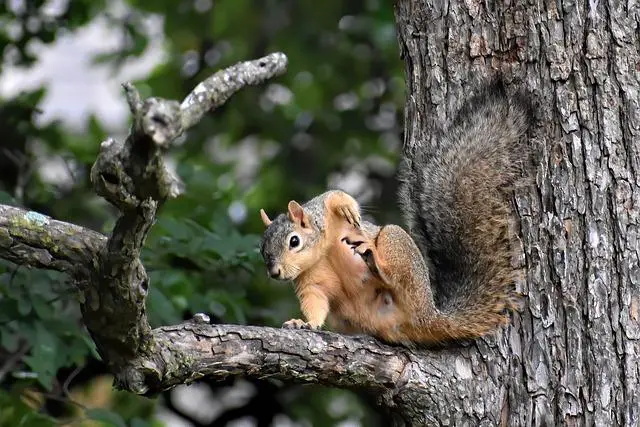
{"x": 307, "y": 246}
{"x": 450, "y": 276}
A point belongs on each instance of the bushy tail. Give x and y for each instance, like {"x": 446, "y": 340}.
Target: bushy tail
{"x": 454, "y": 194}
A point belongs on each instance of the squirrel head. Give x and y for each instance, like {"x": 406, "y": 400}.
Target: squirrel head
{"x": 289, "y": 245}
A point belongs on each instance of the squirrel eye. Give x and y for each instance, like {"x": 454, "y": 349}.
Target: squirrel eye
{"x": 294, "y": 241}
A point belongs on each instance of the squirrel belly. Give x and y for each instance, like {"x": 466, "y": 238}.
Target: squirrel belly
{"x": 365, "y": 305}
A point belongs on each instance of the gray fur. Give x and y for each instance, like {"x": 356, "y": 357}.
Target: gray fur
{"x": 273, "y": 241}
{"x": 485, "y": 140}
{"x": 272, "y": 244}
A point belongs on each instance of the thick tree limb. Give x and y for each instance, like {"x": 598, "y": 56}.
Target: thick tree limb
{"x": 32, "y": 239}
{"x": 420, "y": 387}
{"x": 193, "y": 350}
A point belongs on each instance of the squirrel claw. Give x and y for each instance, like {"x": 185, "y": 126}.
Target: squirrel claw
{"x": 365, "y": 250}
{"x": 357, "y": 246}
{"x": 362, "y": 248}
{"x": 352, "y": 216}
{"x": 353, "y": 243}
{"x": 297, "y": 324}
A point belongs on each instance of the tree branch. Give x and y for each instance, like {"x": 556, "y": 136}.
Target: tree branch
{"x": 217, "y": 89}
{"x": 32, "y": 239}
{"x": 192, "y": 350}
{"x": 421, "y": 387}
{"x": 133, "y": 177}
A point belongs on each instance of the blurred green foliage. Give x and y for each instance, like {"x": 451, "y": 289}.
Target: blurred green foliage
{"x": 334, "y": 119}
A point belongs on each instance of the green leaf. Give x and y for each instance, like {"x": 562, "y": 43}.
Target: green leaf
{"x": 16, "y": 413}
{"x": 106, "y": 417}
{"x": 222, "y": 247}
{"x": 24, "y": 306}
{"x": 33, "y": 419}
{"x": 176, "y": 229}
{"x": 42, "y": 307}
{"x": 90, "y": 345}
{"x": 8, "y": 310}
{"x": 161, "y": 308}
{"x": 44, "y": 358}
{"x": 9, "y": 340}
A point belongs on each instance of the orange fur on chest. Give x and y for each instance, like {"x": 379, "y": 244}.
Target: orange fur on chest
{"x": 342, "y": 277}
{"x": 339, "y": 273}
{"x": 341, "y": 286}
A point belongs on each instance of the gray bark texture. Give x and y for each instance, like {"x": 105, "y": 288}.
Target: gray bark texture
{"x": 572, "y": 356}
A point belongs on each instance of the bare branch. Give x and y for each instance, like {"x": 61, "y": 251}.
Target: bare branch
{"x": 133, "y": 97}
{"x": 184, "y": 353}
{"x": 32, "y": 239}
{"x": 217, "y": 89}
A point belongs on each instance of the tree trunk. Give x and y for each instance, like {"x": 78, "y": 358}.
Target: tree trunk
{"x": 572, "y": 355}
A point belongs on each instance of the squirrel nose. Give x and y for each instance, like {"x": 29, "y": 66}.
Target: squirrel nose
{"x": 274, "y": 270}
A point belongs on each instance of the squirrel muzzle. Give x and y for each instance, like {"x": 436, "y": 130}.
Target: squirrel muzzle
{"x": 273, "y": 269}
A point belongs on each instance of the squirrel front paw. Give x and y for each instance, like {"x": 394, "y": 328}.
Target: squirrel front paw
{"x": 365, "y": 250}
{"x": 297, "y": 324}
{"x": 360, "y": 247}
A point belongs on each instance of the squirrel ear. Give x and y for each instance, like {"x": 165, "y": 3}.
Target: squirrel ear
{"x": 265, "y": 218}
{"x": 297, "y": 215}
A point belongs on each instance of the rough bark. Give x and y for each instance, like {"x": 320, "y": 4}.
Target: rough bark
{"x": 573, "y": 355}
{"x": 33, "y": 239}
